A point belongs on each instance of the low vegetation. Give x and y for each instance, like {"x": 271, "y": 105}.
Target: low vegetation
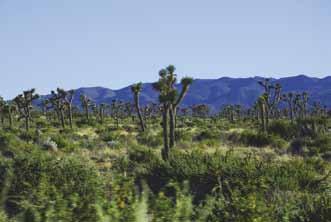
{"x": 124, "y": 161}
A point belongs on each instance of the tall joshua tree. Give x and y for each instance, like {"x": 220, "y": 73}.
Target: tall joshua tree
{"x": 302, "y": 104}
{"x": 136, "y": 89}
{"x": 102, "y": 110}
{"x": 24, "y": 104}
{"x": 289, "y": 98}
{"x": 170, "y": 100}
{"x": 272, "y": 97}
{"x": 262, "y": 110}
{"x": 86, "y": 103}
{"x": 67, "y": 98}
{"x": 59, "y": 106}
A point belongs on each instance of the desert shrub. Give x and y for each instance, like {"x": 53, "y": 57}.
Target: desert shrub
{"x": 121, "y": 206}
{"x": 257, "y": 139}
{"x": 3, "y": 217}
{"x": 11, "y": 145}
{"x": 208, "y": 134}
{"x": 182, "y": 135}
{"x": 64, "y": 142}
{"x": 149, "y": 138}
{"x": 298, "y": 146}
{"x": 39, "y": 178}
{"x": 9, "y": 140}
{"x": 42, "y": 123}
{"x": 283, "y": 129}
{"x": 311, "y": 127}
{"x": 129, "y": 128}
{"x": 109, "y": 134}
{"x": 207, "y": 172}
{"x": 320, "y": 144}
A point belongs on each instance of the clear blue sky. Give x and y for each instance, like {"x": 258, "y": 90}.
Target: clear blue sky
{"x": 113, "y": 43}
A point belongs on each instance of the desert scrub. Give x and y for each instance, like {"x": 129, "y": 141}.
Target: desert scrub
{"x": 150, "y": 138}
{"x": 72, "y": 178}
{"x": 256, "y": 139}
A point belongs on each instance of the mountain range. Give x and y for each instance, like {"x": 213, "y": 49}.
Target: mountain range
{"x": 219, "y": 92}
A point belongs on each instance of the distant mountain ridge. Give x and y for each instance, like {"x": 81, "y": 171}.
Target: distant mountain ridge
{"x": 218, "y": 92}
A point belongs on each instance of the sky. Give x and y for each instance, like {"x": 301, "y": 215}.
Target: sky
{"x": 46, "y": 44}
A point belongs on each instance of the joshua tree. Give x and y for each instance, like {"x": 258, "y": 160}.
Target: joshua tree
{"x": 24, "y": 104}
{"x": 302, "y": 104}
{"x": 57, "y": 100}
{"x": 200, "y": 110}
{"x": 262, "y": 107}
{"x": 102, "y": 110}
{"x": 317, "y": 109}
{"x": 67, "y": 98}
{"x": 45, "y": 106}
{"x": 117, "y": 111}
{"x": 229, "y": 112}
{"x": 170, "y": 100}
{"x": 136, "y": 89}
{"x": 129, "y": 110}
{"x": 289, "y": 98}
{"x": 272, "y": 97}
{"x": 86, "y": 103}
{"x": 8, "y": 110}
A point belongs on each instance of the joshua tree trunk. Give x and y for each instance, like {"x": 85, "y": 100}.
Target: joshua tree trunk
{"x": 173, "y": 108}
{"x": 231, "y": 116}
{"x": 165, "y": 151}
{"x": 117, "y": 122}
{"x": 10, "y": 118}
{"x": 291, "y": 111}
{"x": 87, "y": 113}
{"x": 136, "y": 89}
{"x": 263, "y": 115}
{"x": 172, "y": 123}
{"x": 263, "y": 119}
{"x": 27, "y": 120}
{"x": 141, "y": 121}
{"x": 62, "y": 118}
{"x": 70, "y": 115}
{"x": 267, "y": 116}
{"x": 101, "y": 113}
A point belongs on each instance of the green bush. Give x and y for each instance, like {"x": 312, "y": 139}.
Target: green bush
{"x": 208, "y": 134}
{"x": 149, "y": 138}
{"x": 250, "y": 138}
{"x": 39, "y": 178}
{"x": 283, "y": 129}
{"x": 64, "y": 142}
{"x": 321, "y": 144}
